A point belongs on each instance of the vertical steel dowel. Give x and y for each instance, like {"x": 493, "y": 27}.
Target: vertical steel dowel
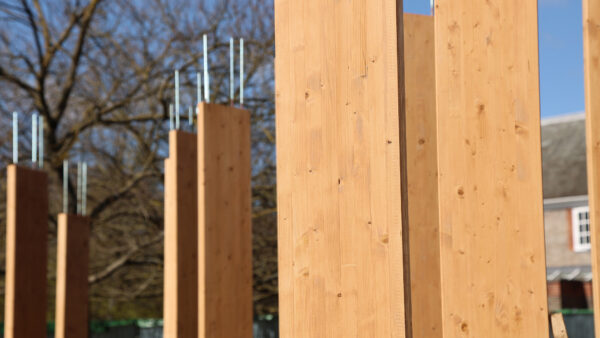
{"x": 231, "y": 71}
{"x": 242, "y": 72}
{"x": 66, "y": 186}
{"x": 84, "y": 189}
{"x": 79, "y": 188}
{"x": 41, "y": 140}
{"x": 206, "y": 78}
{"x": 34, "y": 134}
{"x": 15, "y": 138}
{"x": 177, "y": 99}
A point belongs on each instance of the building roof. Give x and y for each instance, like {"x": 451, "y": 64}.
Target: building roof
{"x": 563, "y": 156}
{"x": 574, "y": 273}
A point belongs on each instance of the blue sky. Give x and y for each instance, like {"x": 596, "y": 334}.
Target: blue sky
{"x": 561, "y": 54}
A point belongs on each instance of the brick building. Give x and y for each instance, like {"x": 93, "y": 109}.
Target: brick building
{"x": 566, "y": 212}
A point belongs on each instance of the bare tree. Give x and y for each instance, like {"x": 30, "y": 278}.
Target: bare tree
{"x": 100, "y": 72}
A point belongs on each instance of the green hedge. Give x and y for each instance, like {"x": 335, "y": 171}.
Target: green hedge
{"x": 576, "y": 311}
{"x": 97, "y": 326}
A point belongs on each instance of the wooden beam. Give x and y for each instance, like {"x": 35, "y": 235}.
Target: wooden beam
{"x": 26, "y": 253}
{"x": 558, "y": 326}
{"x": 419, "y": 67}
{"x": 73, "y": 251}
{"x": 181, "y": 237}
{"x": 591, "y": 55}
{"x": 340, "y": 165}
{"x": 224, "y": 218}
{"x": 493, "y": 268}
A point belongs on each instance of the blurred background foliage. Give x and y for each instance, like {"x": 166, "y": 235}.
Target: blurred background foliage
{"x": 100, "y": 72}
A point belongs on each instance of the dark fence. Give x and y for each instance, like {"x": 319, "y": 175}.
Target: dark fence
{"x": 579, "y": 323}
{"x": 262, "y": 329}
{"x": 152, "y": 328}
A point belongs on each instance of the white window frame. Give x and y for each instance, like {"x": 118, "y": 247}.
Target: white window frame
{"x": 578, "y": 233}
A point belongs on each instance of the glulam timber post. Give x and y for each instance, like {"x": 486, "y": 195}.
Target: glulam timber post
{"x": 181, "y": 237}
{"x": 224, "y": 222}
{"x": 421, "y": 145}
{"x": 591, "y": 43}
{"x": 341, "y": 169}
{"x": 26, "y": 253}
{"x": 73, "y": 251}
{"x": 493, "y": 271}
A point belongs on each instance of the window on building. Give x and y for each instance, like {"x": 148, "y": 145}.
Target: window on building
{"x": 581, "y": 228}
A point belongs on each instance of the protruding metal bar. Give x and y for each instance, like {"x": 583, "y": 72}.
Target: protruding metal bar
{"x": 171, "y": 118}
{"x": 206, "y": 78}
{"x": 34, "y": 142}
{"x": 84, "y": 189}
{"x": 242, "y": 72}
{"x": 15, "y": 138}
{"x": 198, "y": 88}
{"x": 177, "y": 99}
{"x": 191, "y": 116}
{"x": 66, "y": 186}
{"x": 41, "y": 140}
{"x": 231, "y": 71}
{"x": 79, "y": 188}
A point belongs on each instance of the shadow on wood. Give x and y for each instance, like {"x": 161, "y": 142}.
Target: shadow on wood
{"x": 73, "y": 251}
{"x": 181, "y": 237}
{"x": 224, "y": 222}
{"x": 26, "y": 253}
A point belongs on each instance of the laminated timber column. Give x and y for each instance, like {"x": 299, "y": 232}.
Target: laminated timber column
{"x": 490, "y": 178}
{"x": 73, "y": 251}
{"x": 26, "y": 253}
{"x": 224, "y": 222}
{"x": 340, "y": 168}
{"x": 591, "y": 43}
{"x": 180, "y": 305}
{"x": 419, "y": 67}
